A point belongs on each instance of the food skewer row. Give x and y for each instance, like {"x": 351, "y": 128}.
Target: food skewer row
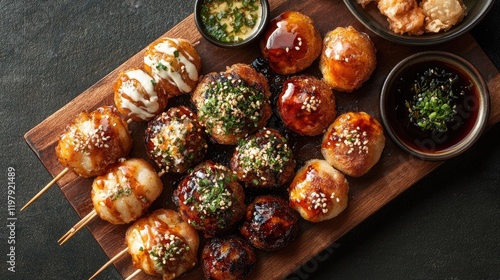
{"x": 175, "y": 141}
{"x": 172, "y": 68}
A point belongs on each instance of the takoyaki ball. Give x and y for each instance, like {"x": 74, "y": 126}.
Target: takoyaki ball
{"x": 306, "y": 105}
{"x": 353, "y": 143}
{"x": 175, "y": 140}
{"x": 126, "y": 191}
{"x": 227, "y": 258}
{"x": 93, "y": 142}
{"x": 291, "y": 43}
{"x": 136, "y": 95}
{"x": 270, "y": 224}
{"x": 174, "y": 64}
{"x": 210, "y": 198}
{"x": 318, "y": 191}
{"x": 348, "y": 58}
{"x": 162, "y": 244}
{"x": 263, "y": 159}
{"x": 232, "y": 104}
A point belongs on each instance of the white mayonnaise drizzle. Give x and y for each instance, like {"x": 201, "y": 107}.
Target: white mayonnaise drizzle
{"x": 151, "y": 104}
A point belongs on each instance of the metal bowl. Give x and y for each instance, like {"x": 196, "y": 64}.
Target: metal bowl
{"x": 472, "y": 111}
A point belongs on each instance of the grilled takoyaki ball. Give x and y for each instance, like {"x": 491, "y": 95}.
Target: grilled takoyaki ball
{"x": 137, "y": 96}
{"x": 93, "y": 142}
{"x": 306, "y": 105}
{"x": 353, "y": 143}
{"x": 232, "y": 104}
{"x": 270, "y": 224}
{"x": 291, "y": 43}
{"x": 318, "y": 191}
{"x": 126, "y": 191}
{"x": 210, "y": 198}
{"x": 174, "y": 64}
{"x": 227, "y": 258}
{"x": 175, "y": 140}
{"x": 348, "y": 58}
{"x": 263, "y": 159}
{"x": 162, "y": 244}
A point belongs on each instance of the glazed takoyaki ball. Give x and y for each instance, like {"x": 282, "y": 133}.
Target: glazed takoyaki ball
{"x": 174, "y": 64}
{"x": 126, "y": 191}
{"x": 93, "y": 142}
{"x": 353, "y": 143}
{"x": 291, "y": 43}
{"x": 232, "y": 104}
{"x": 270, "y": 224}
{"x": 162, "y": 244}
{"x": 306, "y": 105}
{"x": 263, "y": 159}
{"x": 227, "y": 258}
{"x": 136, "y": 95}
{"x": 348, "y": 58}
{"x": 210, "y": 198}
{"x": 318, "y": 191}
{"x": 175, "y": 140}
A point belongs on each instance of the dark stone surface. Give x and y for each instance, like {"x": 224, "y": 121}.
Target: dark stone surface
{"x": 445, "y": 227}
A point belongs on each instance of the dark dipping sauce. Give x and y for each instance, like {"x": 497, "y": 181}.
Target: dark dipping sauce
{"x": 467, "y": 108}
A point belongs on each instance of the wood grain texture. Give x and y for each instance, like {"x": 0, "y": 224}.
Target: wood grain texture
{"x": 395, "y": 172}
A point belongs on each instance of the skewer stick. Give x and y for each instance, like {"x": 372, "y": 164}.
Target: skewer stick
{"x": 83, "y": 222}
{"x": 44, "y": 189}
{"x": 133, "y": 274}
{"x": 117, "y": 256}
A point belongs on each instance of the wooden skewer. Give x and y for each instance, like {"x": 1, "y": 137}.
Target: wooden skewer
{"x": 83, "y": 222}
{"x": 44, "y": 189}
{"x": 117, "y": 256}
{"x": 133, "y": 274}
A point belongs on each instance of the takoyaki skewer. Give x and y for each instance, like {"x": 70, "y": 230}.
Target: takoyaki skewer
{"x": 161, "y": 244}
{"x": 122, "y": 195}
{"x": 90, "y": 144}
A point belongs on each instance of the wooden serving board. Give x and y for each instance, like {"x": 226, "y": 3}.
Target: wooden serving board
{"x": 395, "y": 172}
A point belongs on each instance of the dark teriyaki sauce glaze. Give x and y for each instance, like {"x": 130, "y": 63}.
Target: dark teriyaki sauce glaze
{"x": 467, "y": 107}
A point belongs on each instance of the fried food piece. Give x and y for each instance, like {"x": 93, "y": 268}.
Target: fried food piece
{"x": 227, "y": 258}
{"x": 270, "y": 224}
{"x": 232, "y": 104}
{"x": 263, "y": 159}
{"x": 136, "y": 95}
{"x": 291, "y": 43}
{"x": 210, "y": 198}
{"x": 318, "y": 191}
{"x": 162, "y": 244}
{"x": 306, "y": 105}
{"x": 174, "y": 64}
{"x": 404, "y": 16}
{"x": 175, "y": 140}
{"x": 353, "y": 143}
{"x": 348, "y": 58}
{"x": 441, "y": 15}
{"x": 94, "y": 141}
{"x": 124, "y": 193}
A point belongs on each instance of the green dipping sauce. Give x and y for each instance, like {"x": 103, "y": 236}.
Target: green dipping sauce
{"x": 231, "y": 21}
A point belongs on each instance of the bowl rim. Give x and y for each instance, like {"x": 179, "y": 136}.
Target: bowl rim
{"x": 266, "y": 11}
{"x": 484, "y": 103}
{"x": 430, "y": 39}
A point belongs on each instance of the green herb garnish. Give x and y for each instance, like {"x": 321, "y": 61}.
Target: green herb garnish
{"x": 431, "y": 107}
